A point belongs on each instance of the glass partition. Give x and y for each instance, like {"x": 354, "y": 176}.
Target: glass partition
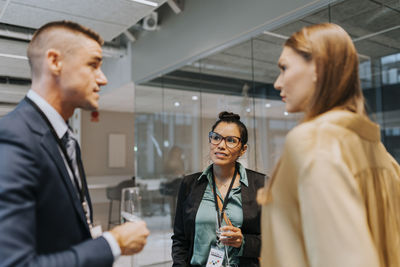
{"x": 174, "y": 113}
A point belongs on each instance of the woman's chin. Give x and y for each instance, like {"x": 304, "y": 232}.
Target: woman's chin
{"x": 220, "y": 162}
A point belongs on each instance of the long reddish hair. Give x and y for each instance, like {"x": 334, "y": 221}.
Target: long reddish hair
{"x": 336, "y": 59}
{"x": 338, "y": 83}
{"x": 338, "y": 86}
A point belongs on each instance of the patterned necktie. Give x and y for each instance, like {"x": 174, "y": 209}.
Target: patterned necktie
{"x": 73, "y": 152}
{"x": 71, "y": 144}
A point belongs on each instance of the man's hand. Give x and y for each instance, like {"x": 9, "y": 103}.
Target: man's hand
{"x": 131, "y": 236}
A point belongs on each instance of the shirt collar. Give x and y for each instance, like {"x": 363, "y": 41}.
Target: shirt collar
{"x": 58, "y": 123}
{"x": 242, "y": 172}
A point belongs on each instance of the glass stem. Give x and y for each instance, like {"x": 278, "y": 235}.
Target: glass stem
{"x": 227, "y": 256}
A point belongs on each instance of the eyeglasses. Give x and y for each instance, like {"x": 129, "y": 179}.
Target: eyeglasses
{"x": 230, "y": 141}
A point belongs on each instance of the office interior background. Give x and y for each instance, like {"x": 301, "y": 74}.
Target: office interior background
{"x": 173, "y": 67}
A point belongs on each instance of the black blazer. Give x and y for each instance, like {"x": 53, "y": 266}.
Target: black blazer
{"x": 42, "y": 222}
{"x": 190, "y": 195}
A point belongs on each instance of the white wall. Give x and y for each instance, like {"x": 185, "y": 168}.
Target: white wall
{"x": 94, "y": 138}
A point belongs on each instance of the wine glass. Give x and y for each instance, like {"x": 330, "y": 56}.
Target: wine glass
{"x": 219, "y": 231}
{"x": 130, "y": 205}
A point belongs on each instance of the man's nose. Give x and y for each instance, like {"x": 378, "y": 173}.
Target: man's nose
{"x": 101, "y": 78}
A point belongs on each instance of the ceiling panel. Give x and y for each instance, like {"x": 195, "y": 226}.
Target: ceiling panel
{"x": 12, "y": 93}
{"x": 108, "y": 17}
{"x": 290, "y": 28}
{"x": 266, "y": 52}
{"x": 384, "y": 43}
{"x": 393, "y": 3}
{"x": 240, "y": 50}
{"x": 12, "y": 67}
{"x": 110, "y": 11}
{"x": 35, "y": 18}
{"x": 211, "y": 104}
{"x": 225, "y": 66}
{"x": 374, "y": 21}
{"x": 271, "y": 39}
{"x": 393, "y": 37}
{"x": 347, "y": 10}
{"x": 239, "y": 61}
{"x": 373, "y": 49}
{"x": 8, "y": 46}
{"x": 2, "y": 4}
{"x": 226, "y": 59}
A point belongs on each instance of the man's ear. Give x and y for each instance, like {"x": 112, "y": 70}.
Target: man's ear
{"x": 53, "y": 60}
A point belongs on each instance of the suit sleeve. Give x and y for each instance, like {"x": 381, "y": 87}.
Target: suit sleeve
{"x": 180, "y": 244}
{"x": 19, "y": 175}
{"x": 334, "y": 221}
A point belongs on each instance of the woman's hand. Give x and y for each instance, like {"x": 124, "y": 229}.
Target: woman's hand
{"x": 231, "y": 236}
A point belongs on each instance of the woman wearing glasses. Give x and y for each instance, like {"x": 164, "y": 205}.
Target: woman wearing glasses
{"x": 221, "y": 201}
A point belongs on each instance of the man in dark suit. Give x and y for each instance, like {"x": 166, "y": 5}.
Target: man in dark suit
{"x": 45, "y": 209}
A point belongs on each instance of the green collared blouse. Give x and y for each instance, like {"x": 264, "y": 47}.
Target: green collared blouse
{"x": 206, "y": 219}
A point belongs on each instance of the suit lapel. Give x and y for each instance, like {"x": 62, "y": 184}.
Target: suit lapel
{"x": 246, "y": 193}
{"x": 51, "y": 147}
{"x": 39, "y": 126}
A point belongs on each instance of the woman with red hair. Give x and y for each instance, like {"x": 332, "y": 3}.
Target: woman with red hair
{"x": 334, "y": 197}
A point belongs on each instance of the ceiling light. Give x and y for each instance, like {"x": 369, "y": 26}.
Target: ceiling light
{"x": 248, "y": 109}
{"x": 135, "y": 148}
{"x": 277, "y": 35}
{"x": 285, "y": 113}
{"x": 146, "y": 2}
{"x": 130, "y": 36}
{"x": 195, "y": 97}
{"x": 375, "y": 33}
{"x": 13, "y": 56}
{"x": 166, "y": 143}
{"x": 176, "y": 5}
{"x": 268, "y": 105}
{"x": 177, "y": 104}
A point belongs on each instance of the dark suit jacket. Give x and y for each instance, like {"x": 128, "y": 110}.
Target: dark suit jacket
{"x": 190, "y": 195}
{"x": 42, "y": 222}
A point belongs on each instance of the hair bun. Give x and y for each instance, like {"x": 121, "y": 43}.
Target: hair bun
{"x": 230, "y": 117}
{"x": 225, "y": 115}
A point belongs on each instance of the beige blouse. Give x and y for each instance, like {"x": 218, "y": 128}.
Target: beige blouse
{"x": 334, "y": 197}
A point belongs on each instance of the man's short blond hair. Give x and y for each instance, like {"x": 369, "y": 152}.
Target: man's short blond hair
{"x": 39, "y": 41}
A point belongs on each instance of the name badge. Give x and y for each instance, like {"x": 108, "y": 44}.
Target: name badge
{"x": 216, "y": 257}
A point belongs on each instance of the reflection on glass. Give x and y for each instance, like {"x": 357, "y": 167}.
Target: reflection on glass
{"x": 174, "y": 113}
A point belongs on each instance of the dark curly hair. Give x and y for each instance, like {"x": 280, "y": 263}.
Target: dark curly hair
{"x": 231, "y": 117}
